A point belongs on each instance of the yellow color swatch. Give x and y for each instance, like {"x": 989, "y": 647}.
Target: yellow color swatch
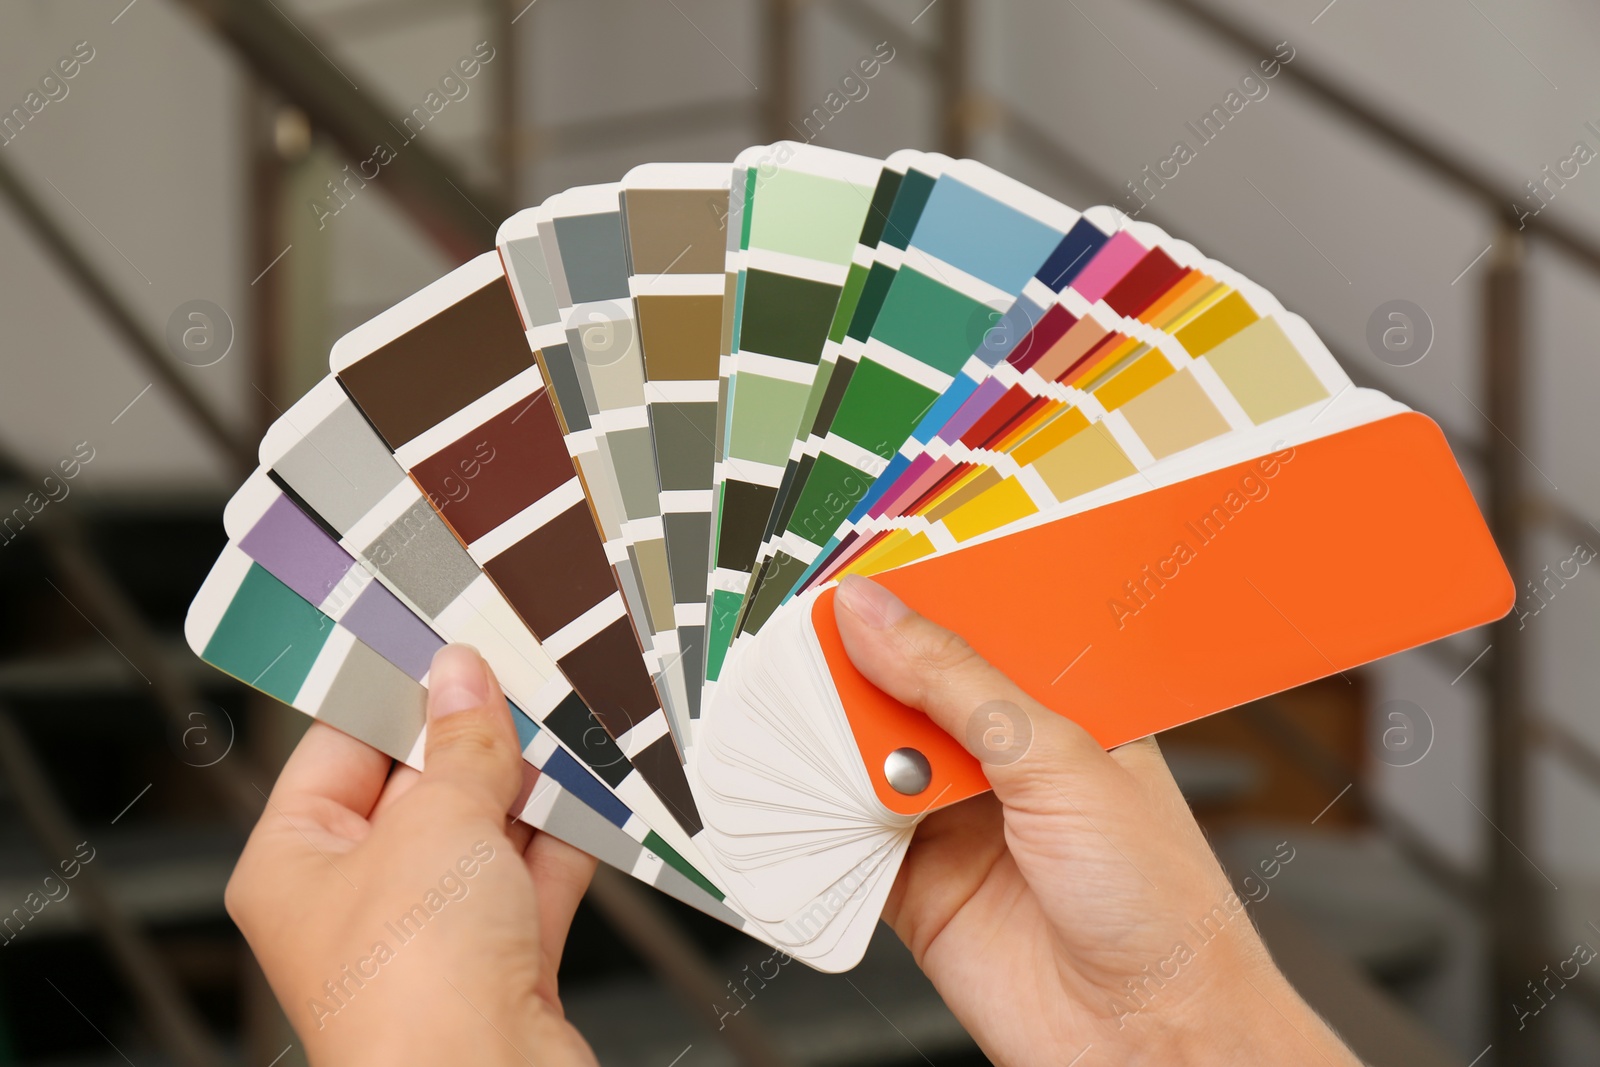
{"x": 1052, "y": 433}
{"x": 1083, "y": 463}
{"x": 1178, "y": 317}
{"x": 998, "y": 505}
{"x": 1265, "y": 373}
{"x": 1227, "y": 317}
{"x": 1174, "y": 415}
{"x": 896, "y": 550}
{"x": 971, "y": 484}
{"x": 1109, "y": 361}
{"x": 1194, "y": 287}
{"x": 1040, "y": 415}
{"x": 1134, "y": 379}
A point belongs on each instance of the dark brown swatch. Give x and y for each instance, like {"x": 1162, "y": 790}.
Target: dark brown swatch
{"x": 608, "y": 672}
{"x": 440, "y": 366}
{"x": 556, "y": 573}
{"x": 745, "y": 507}
{"x": 662, "y": 768}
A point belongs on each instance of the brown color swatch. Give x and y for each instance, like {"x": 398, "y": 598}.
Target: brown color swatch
{"x": 745, "y": 507}
{"x": 556, "y": 573}
{"x": 678, "y": 231}
{"x": 489, "y": 475}
{"x": 681, "y": 335}
{"x": 440, "y": 366}
{"x": 661, "y": 766}
{"x": 608, "y": 672}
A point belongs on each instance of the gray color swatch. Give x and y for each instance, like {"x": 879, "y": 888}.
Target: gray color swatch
{"x": 592, "y": 256}
{"x": 365, "y": 681}
{"x": 420, "y": 555}
{"x": 365, "y": 473}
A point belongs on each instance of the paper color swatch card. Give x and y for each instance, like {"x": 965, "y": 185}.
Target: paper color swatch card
{"x": 629, "y": 453}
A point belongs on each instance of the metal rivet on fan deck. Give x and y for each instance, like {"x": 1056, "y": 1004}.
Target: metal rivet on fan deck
{"x": 908, "y": 771}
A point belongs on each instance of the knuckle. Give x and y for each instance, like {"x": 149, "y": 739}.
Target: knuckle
{"x": 948, "y": 652}
{"x": 468, "y": 734}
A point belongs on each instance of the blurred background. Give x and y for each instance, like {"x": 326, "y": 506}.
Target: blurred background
{"x": 1415, "y": 180}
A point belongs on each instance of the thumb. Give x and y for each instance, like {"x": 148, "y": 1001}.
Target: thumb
{"x": 1026, "y": 748}
{"x": 471, "y": 744}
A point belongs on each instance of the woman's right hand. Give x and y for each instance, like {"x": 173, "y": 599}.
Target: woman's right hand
{"x": 1076, "y": 911}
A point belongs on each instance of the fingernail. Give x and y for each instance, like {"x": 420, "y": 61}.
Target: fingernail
{"x": 457, "y": 681}
{"x": 871, "y": 602}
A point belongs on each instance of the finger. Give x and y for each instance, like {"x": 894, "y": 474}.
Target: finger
{"x": 561, "y": 875}
{"x": 518, "y": 831}
{"x": 953, "y": 852}
{"x": 520, "y": 834}
{"x": 401, "y": 779}
{"x": 471, "y": 746}
{"x": 330, "y": 765}
{"x": 920, "y": 663}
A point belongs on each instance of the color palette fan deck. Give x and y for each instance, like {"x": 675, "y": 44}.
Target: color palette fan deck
{"x": 629, "y": 453}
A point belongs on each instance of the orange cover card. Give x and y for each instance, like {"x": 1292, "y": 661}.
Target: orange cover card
{"x": 1191, "y": 598}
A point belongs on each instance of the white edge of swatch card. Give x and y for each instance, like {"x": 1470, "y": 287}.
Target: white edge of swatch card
{"x": 1107, "y": 219}
{"x": 665, "y": 284}
{"x": 902, "y": 160}
{"x": 415, "y": 309}
{"x": 585, "y": 200}
{"x": 249, "y": 503}
{"x": 709, "y": 176}
{"x": 954, "y": 277}
{"x": 823, "y": 163}
{"x": 543, "y": 216}
{"x": 320, "y": 401}
{"x": 330, "y": 659}
{"x": 520, "y": 387}
{"x": 750, "y": 157}
{"x": 523, "y": 224}
{"x": 815, "y": 270}
{"x": 216, "y": 593}
{"x": 1009, "y": 191}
